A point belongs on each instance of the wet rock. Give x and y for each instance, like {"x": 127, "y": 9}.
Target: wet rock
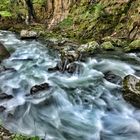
{"x": 3, "y": 68}
{"x": 56, "y": 68}
{"x": 3, "y": 52}
{"x": 37, "y": 88}
{"x": 52, "y": 42}
{"x": 131, "y": 90}
{"x": 26, "y": 34}
{"x": 63, "y": 44}
{"x": 90, "y": 47}
{"x": 107, "y": 46}
{"x": 4, "y": 96}
{"x": 133, "y": 46}
{"x": 66, "y": 63}
{"x": 71, "y": 68}
{"x": 71, "y": 56}
{"x": 111, "y": 77}
{"x": 2, "y": 108}
{"x": 59, "y": 67}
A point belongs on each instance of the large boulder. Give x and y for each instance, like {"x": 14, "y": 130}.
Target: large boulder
{"x": 3, "y": 52}
{"x": 27, "y": 34}
{"x": 131, "y": 90}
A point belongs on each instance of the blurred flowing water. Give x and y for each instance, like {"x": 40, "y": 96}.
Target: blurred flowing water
{"x": 79, "y": 106}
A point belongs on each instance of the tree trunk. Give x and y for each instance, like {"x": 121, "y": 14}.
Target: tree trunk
{"x": 31, "y": 11}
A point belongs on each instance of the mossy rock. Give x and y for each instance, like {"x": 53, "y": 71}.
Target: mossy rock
{"x": 133, "y": 46}
{"x": 90, "y": 47}
{"x": 107, "y": 46}
{"x": 116, "y": 42}
{"x": 131, "y": 90}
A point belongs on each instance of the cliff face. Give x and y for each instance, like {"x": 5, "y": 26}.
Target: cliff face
{"x": 97, "y": 19}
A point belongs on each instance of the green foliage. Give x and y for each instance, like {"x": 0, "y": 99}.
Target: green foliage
{"x": 4, "y": 4}
{"x": 40, "y": 2}
{"x": 107, "y": 46}
{"x": 133, "y": 46}
{"x": 5, "y": 14}
{"x": 97, "y": 10}
{"x": 66, "y": 22}
{"x": 20, "y": 137}
{"x": 5, "y": 8}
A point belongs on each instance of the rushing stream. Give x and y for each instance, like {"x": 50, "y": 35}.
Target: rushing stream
{"x": 79, "y": 106}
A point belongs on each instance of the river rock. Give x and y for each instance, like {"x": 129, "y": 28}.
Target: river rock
{"x": 2, "y": 108}
{"x": 133, "y": 46}
{"x": 107, "y": 46}
{"x": 66, "y": 63}
{"x": 3, "y": 68}
{"x": 26, "y": 34}
{"x": 62, "y": 44}
{"x": 113, "y": 78}
{"x": 37, "y": 88}
{"x": 3, "y": 52}
{"x": 131, "y": 90}
{"x": 68, "y": 55}
{"x": 90, "y": 47}
{"x": 4, "y": 96}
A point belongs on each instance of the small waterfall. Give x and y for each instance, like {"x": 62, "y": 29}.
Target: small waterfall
{"x": 80, "y": 106}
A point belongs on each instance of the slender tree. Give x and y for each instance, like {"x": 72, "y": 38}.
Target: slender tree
{"x": 31, "y": 12}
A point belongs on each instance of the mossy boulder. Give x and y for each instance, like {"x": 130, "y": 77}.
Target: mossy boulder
{"x": 133, "y": 46}
{"x": 107, "y": 46}
{"x": 90, "y": 47}
{"x": 131, "y": 90}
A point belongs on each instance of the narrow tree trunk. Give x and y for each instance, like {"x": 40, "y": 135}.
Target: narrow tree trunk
{"x": 31, "y": 11}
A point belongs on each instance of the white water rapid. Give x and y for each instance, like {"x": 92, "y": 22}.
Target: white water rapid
{"x": 79, "y": 106}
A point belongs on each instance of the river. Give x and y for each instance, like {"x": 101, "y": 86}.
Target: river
{"x": 79, "y": 106}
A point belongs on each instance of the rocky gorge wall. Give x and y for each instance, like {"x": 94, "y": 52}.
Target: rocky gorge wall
{"x": 101, "y": 20}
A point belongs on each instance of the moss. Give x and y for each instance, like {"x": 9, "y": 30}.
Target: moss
{"x": 21, "y": 137}
{"x": 100, "y": 19}
{"x": 5, "y": 14}
{"x": 89, "y": 48}
{"x": 131, "y": 90}
{"x": 66, "y": 22}
{"x": 133, "y": 46}
{"x": 107, "y": 46}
